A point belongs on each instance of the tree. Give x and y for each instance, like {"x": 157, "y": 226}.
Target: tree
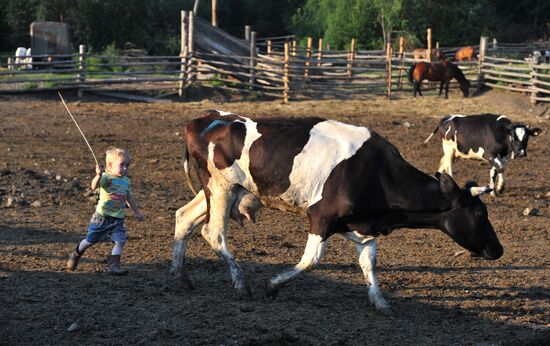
{"x": 390, "y": 16}
{"x": 339, "y": 21}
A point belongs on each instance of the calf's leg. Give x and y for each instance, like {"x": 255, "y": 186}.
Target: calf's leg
{"x": 215, "y": 233}
{"x": 188, "y": 218}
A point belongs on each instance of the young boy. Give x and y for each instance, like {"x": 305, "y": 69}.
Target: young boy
{"x": 107, "y": 223}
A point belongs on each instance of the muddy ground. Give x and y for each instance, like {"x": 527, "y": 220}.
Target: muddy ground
{"x": 439, "y": 294}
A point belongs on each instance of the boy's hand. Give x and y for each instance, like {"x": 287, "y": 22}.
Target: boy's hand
{"x": 99, "y": 169}
{"x": 139, "y": 216}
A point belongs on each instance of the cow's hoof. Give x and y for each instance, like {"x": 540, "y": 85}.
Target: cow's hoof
{"x": 271, "y": 291}
{"x": 386, "y": 311}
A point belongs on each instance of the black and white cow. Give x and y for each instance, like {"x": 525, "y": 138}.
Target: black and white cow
{"x": 346, "y": 179}
{"x": 489, "y": 137}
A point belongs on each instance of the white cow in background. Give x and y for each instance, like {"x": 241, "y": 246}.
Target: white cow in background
{"x": 20, "y": 56}
{"x": 23, "y": 59}
{"x": 28, "y": 59}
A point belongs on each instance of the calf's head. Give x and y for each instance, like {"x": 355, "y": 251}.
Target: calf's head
{"x": 467, "y": 222}
{"x": 520, "y": 137}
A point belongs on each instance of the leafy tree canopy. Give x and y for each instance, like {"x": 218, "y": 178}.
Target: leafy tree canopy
{"x": 155, "y": 25}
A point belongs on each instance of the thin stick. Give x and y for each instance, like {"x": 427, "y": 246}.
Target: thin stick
{"x": 78, "y": 127}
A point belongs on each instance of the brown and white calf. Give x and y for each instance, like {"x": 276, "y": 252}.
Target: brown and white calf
{"x": 488, "y": 137}
{"x": 347, "y": 179}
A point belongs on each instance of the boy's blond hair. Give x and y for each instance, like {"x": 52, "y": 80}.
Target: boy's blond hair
{"x": 113, "y": 154}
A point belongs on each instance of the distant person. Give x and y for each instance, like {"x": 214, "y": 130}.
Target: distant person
{"x": 107, "y": 223}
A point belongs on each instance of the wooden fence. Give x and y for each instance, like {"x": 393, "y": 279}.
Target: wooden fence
{"x": 275, "y": 67}
{"x": 498, "y": 70}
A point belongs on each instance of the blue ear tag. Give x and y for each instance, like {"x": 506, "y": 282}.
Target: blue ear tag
{"x": 212, "y": 125}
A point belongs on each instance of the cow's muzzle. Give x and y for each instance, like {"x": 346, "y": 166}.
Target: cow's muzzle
{"x": 489, "y": 253}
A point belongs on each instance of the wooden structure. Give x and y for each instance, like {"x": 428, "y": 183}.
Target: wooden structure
{"x": 50, "y": 38}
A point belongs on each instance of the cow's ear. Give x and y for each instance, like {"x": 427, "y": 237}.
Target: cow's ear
{"x": 534, "y": 132}
{"x": 447, "y": 184}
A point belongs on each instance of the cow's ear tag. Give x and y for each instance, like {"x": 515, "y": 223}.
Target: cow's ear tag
{"x": 534, "y": 132}
{"x": 479, "y": 190}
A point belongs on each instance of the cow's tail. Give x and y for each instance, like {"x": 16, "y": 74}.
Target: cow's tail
{"x": 186, "y": 169}
{"x": 431, "y": 134}
{"x": 411, "y": 71}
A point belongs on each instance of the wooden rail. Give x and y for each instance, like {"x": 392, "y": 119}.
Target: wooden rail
{"x": 287, "y": 72}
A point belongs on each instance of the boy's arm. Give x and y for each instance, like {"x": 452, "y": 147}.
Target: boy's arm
{"x": 133, "y": 205}
{"x": 97, "y": 178}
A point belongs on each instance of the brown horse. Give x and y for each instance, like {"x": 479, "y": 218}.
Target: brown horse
{"x": 438, "y": 72}
{"x": 465, "y": 53}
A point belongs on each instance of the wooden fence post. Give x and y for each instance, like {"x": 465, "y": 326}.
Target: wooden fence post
{"x": 293, "y": 47}
{"x": 81, "y": 68}
{"x": 252, "y": 59}
{"x": 389, "y": 54}
{"x": 481, "y": 58}
{"x": 429, "y": 44}
{"x": 320, "y": 52}
{"x": 286, "y": 81}
{"x": 308, "y": 57}
{"x": 183, "y": 55}
{"x": 190, "y": 34}
{"x": 269, "y": 47}
{"x": 401, "y": 61}
{"x": 351, "y": 56}
{"x": 533, "y": 85}
{"x": 214, "y": 14}
{"x": 247, "y": 30}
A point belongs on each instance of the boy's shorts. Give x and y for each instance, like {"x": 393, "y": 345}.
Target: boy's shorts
{"x": 105, "y": 228}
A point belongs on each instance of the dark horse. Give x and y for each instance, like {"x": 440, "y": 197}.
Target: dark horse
{"x": 438, "y": 72}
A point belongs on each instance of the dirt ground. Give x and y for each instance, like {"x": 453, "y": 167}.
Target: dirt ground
{"x": 439, "y": 294}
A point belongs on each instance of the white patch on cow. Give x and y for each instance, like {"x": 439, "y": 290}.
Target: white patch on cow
{"x": 446, "y": 162}
{"x": 500, "y": 184}
{"x": 239, "y": 171}
{"x": 502, "y": 117}
{"x": 452, "y": 116}
{"x": 520, "y": 133}
{"x": 330, "y": 143}
{"x": 366, "y": 249}
{"x": 357, "y": 237}
{"x": 471, "y": 154}
{"x": 223, "y": 113}
{"x": 447, "y": 132}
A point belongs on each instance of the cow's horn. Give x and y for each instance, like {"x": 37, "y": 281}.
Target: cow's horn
{"x": 479, "y": 190}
